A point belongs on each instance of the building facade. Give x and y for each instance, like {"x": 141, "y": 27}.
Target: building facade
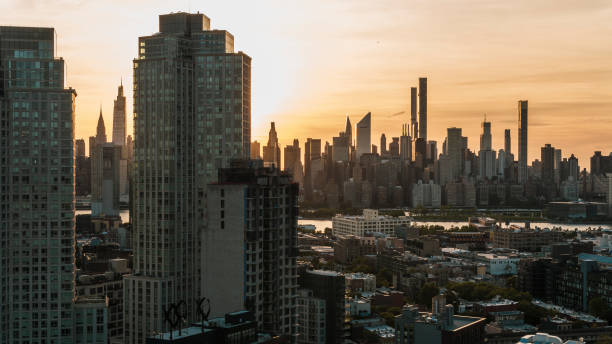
{"x": 37, "y": 201}
{"x": 328, "y": 286}
{"x": 192, "y": 113}
{"x": 250, "y": 246}
{"x": 364, "y": 135}
{"x": 369, "y": 222}
{"x": 522, "y": 141}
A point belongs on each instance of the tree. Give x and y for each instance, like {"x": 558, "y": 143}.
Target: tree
{"x": 605, "y": 339}
{"x": 427, "y": 292}
{"x": 598, "y": 307}
{"x": 383, "y": 278}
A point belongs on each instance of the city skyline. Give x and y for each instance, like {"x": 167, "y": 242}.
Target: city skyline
{"x": 481, "y": 67}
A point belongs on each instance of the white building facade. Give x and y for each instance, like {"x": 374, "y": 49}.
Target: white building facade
{"x": 369, "y": 222}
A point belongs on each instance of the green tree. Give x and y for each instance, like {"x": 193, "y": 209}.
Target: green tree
{"x": 427, "y": 292}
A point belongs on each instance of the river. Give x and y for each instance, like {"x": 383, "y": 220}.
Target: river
{"x": 322, "y": 224}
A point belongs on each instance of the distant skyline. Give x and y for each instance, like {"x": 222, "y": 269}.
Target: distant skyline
{"x": 315, "y": 62}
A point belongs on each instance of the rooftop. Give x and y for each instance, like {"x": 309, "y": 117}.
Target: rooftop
{"x": 569, "y": 312}
{"x": 325, "y": 273}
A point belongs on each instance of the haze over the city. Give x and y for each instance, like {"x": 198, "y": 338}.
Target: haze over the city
{"x": 315, "y": 62}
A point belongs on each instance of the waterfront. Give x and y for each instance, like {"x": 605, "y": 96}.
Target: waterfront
{"x": 322, "y": 224}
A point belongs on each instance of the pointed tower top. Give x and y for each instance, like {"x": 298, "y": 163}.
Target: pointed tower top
{"x": 101, "y": 127}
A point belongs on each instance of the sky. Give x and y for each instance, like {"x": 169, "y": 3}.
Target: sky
{"x": 317, "y": 61}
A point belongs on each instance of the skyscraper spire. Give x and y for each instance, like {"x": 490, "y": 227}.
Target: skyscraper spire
{"x": 349, "y": 131}
{"x": 100, "y": 129}
{"x": 119, "y": 118}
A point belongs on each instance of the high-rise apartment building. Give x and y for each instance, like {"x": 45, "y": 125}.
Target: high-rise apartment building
{"x": 119, "y": 118}
{"x": 192, "y": 115}
{"x": 364, "y": 132}
{"x": 271, "y": 151}
{"x": 250, "y": 246}
{"x": 37, "y": 188}
{"x": 423, "y": 109}
{"x": 522, "y": 141}
{"x": 328, "y": 286}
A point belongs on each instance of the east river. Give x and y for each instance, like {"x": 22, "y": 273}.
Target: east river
{"x": 322, "y": 224}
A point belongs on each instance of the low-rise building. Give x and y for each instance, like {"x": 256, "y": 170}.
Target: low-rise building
{"x": 498, "y": 264}
{"x": 524, "y": 239}
{"x": 359, "y": 282}
{"x": 369, "y": 222}
{"x": 348, "y": 248}
{"x": 423, "y": 246}
{"x": 413, "y": 326}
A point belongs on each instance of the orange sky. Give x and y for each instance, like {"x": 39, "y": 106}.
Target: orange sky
{"x": 316, "y": 61}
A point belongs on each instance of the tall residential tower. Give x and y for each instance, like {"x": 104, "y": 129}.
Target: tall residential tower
{"x": 192, "y": 115}
{"x": 423, "y": 109}
{"x": 522, "y": 141}
{"x": 37, "y": 195}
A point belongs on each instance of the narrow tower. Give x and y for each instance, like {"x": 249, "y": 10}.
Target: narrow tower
{"x": 423, "y": 108}
{"x": 119, "y": 120}
{"x": 522, "y": 141}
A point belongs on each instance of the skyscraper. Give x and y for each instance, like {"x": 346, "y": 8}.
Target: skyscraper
{"x": 522, "y": 141}
{"x": 364, "y": 132}
{"x": 414, "y": 125}
{"x": 293, "y": 161}
{"x": 105, "y": 181}
{"x": 349, "y": 131}
{"x": 119, "y": 118}
{"x": 507, "y": 142}
{"x": 405, "y": 144}
{"x": 485, "y": 137}
{"x": 423, "y": 109}
{"x": 100, "y": 130}
{"x": 486, "y": 155}
{"x": 80, "y": 147}
{"x": 548, "y": 163}
{"x": 192, "y": 120}
{"x": 383, "y": 144}
{"x": 251, "y": 246}
{"x": 37, "y": 202}
{"x": 271, "y": 151}
{"x": 455, "y": 148}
